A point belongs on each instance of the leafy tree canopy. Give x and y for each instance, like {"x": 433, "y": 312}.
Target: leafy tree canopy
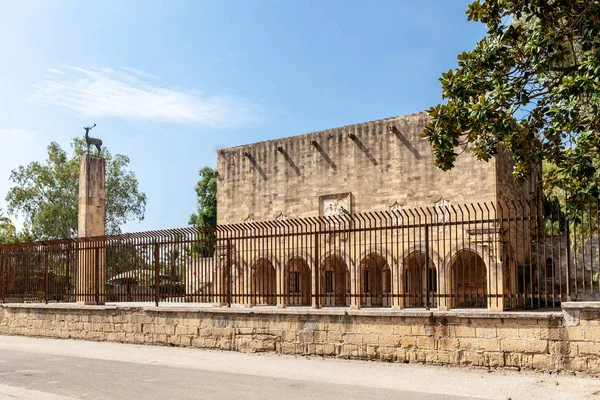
{"x": 532, "y": 87}
{"x": 8, "y": 231}
{"x": 206, "y": 190}
{"x": 4, "y": 220}
{"x": 46, "y": 194}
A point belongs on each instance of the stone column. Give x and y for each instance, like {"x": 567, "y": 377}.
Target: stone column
{"x": 282, "y": 299}
{"x": 221, "y": 287}
{"x": 91, "y": 268}
{"x": 355, "y": 289}
{"x": 223, "y": 274}
{"x": 443, "y": 289}
{"x": 495, "y": 284}
{"x": 398, "y": 288}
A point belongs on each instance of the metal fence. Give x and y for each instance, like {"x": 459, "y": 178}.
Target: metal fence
{"x": 496, "y": 256}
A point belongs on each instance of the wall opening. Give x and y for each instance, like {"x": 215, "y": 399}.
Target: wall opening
{"x": 420, "y": 279}
{"x": 468, "y": 280}
{"x": 335, "y": 282}
{"x": 298, "y": 285}
{"x": 235, "y": 288}
{"x": 264, "y": 283}
{"x": 375, "y": 281}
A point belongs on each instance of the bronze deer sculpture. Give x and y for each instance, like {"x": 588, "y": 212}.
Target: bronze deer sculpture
{"x": 90, "y": 141}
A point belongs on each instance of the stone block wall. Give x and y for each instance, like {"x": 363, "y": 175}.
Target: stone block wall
{"x": 540, "y": 341}
{"x": 379, "y": 167}
{"x": 381, "y": 163}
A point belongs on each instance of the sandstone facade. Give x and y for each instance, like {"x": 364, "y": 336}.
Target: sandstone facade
{"x": 380, "y": 163}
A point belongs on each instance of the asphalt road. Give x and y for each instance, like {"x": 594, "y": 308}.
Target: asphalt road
{"x": 55, "y": 369}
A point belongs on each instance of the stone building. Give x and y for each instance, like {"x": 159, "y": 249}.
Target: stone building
{"x": 381, "y": 166}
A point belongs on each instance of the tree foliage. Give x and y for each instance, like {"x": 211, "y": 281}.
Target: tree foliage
{"x": 6, "y": 228}
{"x": 530, "y": 86}
{"x": 206, "y": 190}
{"x": 4, "y": 220}
{"x": 46, "y": 194}
{"x": 9, "y": 233}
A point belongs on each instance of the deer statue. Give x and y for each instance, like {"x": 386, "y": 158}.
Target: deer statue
{"x": 90, "y": 141}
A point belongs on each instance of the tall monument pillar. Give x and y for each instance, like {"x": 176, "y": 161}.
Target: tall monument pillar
{"x": 91, "y": 269}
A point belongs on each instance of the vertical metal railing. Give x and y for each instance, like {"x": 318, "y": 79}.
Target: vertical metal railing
{"x": 508, "y": 255}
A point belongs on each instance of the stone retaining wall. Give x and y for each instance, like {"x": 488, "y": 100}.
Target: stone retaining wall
{"x": 541, "y": 341}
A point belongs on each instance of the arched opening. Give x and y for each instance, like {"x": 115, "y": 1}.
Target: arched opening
{"x": 375, "y": 281}
{"x": 264, "y": 283}
{"x": 233, "y": 288}
{"x": 468, "y": 280}
{"x": 420, "y": 280}
{"x": 200, "y": 280}
{"x": 298, "y": 284}
{"x": 335, "y": 282}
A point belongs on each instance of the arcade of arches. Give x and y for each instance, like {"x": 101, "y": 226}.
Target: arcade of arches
{"x": 375, "y": 281}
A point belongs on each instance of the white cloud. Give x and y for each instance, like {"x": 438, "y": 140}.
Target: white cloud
{"x": 17, "y": 133}
{"x": 134, "y": 94}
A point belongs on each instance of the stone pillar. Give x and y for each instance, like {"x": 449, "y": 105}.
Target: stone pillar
{"x": 280, "y": 287}
{"x": 91, "y": 268}
{"x": 443, "y": 289}
{"x": 496, "y": 286}
{"x": 223, "y": 274}
{"x": 355, "y": 289}
{"x": 398, "y": 288}
{"x": 315, "y": 283}
{"x": 221, "y": 286}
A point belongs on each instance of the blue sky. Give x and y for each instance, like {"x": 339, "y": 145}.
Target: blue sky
{"x": 169, "y": 82}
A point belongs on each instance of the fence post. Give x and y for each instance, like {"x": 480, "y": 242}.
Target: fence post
{"x": 229, "y": 273}
{"x": 68, "y": 272}
{"x": 427, "y": 266}
{"x": 156, "y": 273}
{"x": 317, "y": 303}
{"x": 97, "y": 277}
{"x": 46, "y": 283}
{"x": 2, "y": 278}
{"x": 568, "y": 251}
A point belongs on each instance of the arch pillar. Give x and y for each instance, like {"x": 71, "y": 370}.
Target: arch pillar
{"x": 495, "y": 286}
{"x": 281, "y": 298}
{"x": 314, "y": 282}
{"x": 220, "y": 297}
{"x": 443, "y": 289}
{"x": 398, "y": 300}
{"x": 355, "y": 289}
